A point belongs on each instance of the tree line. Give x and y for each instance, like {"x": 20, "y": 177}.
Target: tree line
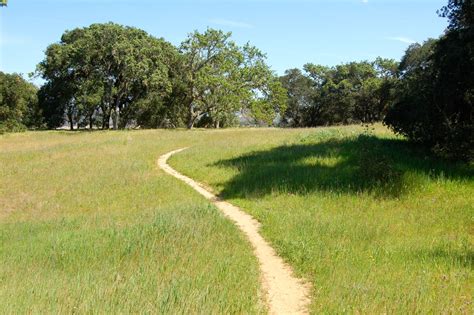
{"x": 356, "y": 92}
{"x": 111, "y": 76}
{"x": 108, "y": 73}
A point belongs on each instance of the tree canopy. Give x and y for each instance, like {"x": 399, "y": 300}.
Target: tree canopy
{"x": 108, "y": 72}
{"x": 18, "y": 103}
{"x": 435, "y": 96}
{"x": 222, "y": 78}
{"x": 101, "y": 71}
{"x": 347, "y": 93}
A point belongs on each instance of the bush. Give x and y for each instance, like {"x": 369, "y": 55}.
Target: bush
{"x": 11, "y": 125}
{"x": 436, "y": 96}
{"x": 436, "y": 103}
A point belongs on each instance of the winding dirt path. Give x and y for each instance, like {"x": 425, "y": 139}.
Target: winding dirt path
{"x": 285, "y": 293}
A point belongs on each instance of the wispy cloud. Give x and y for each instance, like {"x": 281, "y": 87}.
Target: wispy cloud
{"x": 402, "y": 39}
{"x": 230, "y": 23}
{"x": 365, "y": 1}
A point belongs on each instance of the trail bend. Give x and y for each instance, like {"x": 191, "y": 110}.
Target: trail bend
{"x": 285, "y": 294}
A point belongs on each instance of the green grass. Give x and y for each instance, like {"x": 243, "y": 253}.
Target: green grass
{"x": 89, "y": 224}
{"x": 376, "y": 225}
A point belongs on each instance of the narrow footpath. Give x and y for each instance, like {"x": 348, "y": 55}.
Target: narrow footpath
{"x": 285, "y": 294}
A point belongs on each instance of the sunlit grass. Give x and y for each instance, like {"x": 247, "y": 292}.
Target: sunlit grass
{"x": 89, "y": 224}
{"x": 376, "y": 225}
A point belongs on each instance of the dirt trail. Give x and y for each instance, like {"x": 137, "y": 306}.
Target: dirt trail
{"x": 285, "y": 293}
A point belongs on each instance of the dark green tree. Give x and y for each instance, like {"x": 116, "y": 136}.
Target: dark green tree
{"x": 348, "y": 93}
{"x": 436, "y": 94}
{"x": 113, "y": 65}
{"x": 301, "y": 96}
{"x": 18, "y": 103}
{"x": 411, "y": 113}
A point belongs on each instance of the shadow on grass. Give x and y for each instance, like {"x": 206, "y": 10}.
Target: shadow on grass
{"x": 463, "y": 258}
{"x": 357, "y": 165}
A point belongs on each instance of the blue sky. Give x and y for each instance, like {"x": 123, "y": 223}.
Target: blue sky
{"x": 290, "y": 32}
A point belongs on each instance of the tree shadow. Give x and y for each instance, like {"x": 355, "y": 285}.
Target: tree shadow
{"x": 363, "y": 164}
{"x": 459, "y": 257}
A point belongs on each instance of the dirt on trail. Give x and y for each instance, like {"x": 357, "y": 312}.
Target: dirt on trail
{"x": 285, "y": 293}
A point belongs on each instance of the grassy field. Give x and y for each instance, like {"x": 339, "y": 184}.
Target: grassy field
{"x": 88, "y": 223}
{"x": 375, "y": 225}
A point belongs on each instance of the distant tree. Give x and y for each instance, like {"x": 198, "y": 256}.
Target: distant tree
{"x": 268, "y": 102}
{"x": 368, "y": 101}
{"x": 317, "y": 114}
{"x": 387, "y": 71}
{"x": 301, "y": 96}
{"x": 110, "y": 64}
{"x": 18, "y": 103}
{"x": 222, "y": 79}
{"x": 348, "y": 93}
{"x": 375, "y": 91}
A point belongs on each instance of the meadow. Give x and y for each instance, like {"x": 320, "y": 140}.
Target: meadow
{"x": 376, "y": 225}
{"x": 89, "y": 224}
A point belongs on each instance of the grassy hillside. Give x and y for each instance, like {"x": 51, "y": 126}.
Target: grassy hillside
{"x": 88, "y": 222}
{"x": 376, "y": 225}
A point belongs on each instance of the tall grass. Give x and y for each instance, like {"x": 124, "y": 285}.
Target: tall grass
{"x": 377, "y": 225}
{"x": 88, "y": 224}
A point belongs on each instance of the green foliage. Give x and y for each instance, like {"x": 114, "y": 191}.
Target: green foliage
{"x": 18, "y": 103}
{"x": 103, "y": 70}
{"x": 435, "y": 103}
{"x": 11, "y": 125}
{"x": 454, "y": 93}
{"x": 222, "y": 79}
{"x": 375, "y": 223}
{"x": 110, "y": 72}
{"x": 300, "y": 98}
{"x": 89, "y": 225}
{"x": 411, "y": 114}
{"x": 460, "y": 14}
{"x": 348, "y": 93}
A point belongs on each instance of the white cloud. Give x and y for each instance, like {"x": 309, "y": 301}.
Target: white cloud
{"x": 230, "y": 23}
{"x": 365, "y": 1}
{"x": 402, "y": 39}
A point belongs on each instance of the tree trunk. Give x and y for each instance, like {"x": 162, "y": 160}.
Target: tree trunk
{"x": 117, "y": 113}
{"x": 116, "y": 117}
{"x": 91, "y": 122}
{"x": 191, "y": 124}
{"x": 71, "y": 123}
{"x": 191, "y": 116}
{"x": 106, "y": 121}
